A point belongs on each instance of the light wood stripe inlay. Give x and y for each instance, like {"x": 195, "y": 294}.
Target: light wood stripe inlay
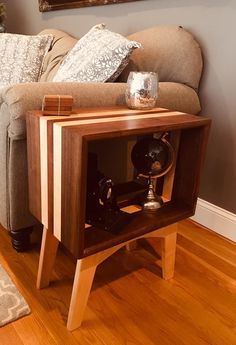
{"x": 57, "y": 171}
{"x": 107, "y": 112}
{"x": 44, "y": 171}
{"x": 114, "y": 119}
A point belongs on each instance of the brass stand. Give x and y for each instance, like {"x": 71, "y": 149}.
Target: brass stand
{"x": 152, "y": 201}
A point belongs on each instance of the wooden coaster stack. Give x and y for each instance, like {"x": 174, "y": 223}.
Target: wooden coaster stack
{"x": 57, "y": 105}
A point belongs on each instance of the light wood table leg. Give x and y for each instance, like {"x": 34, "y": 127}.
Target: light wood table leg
{"x": 168, "y": 255}
{"x": 168, "y": 236}
{"x": 47, "y": 258}
{"x": 84, "y": 274}
{"x": 81, "y": 288}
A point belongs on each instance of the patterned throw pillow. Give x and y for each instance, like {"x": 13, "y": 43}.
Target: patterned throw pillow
{"x": 21, "y": 57}
{"x": 99, "y": 56}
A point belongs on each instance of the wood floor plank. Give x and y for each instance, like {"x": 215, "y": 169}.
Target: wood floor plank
{"x": 209, "y": 240}
{"x": 8, "y": 336}
{"x": 129, "y": 302}
{"x": 147, "y": 309}
{"x": 211, "y": 258}
{"x": 214, "y": 294}
{"x": 39, "y": 336}
{"x": 205, "y": 312}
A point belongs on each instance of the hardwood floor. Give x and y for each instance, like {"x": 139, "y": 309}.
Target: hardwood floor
{"x": 129, "y": 303}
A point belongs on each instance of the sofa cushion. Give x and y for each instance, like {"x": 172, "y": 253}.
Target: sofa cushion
{"x": 99, "y": 56}
{"x": 21, "y": 57}
{"x": 62, "y": 43}
{"x": 169, "y": 50}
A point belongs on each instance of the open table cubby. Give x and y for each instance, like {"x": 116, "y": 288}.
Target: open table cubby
{"x": 57, "y": 159}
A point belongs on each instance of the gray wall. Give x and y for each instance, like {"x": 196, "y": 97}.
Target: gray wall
{"x": 213, "y": 24}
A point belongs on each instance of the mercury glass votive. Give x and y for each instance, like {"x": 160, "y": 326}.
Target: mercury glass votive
{"x": 142, "y": 90}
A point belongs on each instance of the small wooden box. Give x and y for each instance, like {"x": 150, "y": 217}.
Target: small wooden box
{"x": 57, "y": 105}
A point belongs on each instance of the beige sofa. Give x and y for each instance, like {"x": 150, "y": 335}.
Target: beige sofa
{"x": 170, "y": 51}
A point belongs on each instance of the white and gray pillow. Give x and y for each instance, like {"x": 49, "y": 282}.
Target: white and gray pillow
{"x": 99, "y": 56}
{"x": 21, "y": 57}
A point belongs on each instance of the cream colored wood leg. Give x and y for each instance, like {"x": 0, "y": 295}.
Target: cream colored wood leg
{"x": 82, "y": 285}
{"x": 47, "y": 258}
{"x": 168, "y": 255}
{"x": 84, "y": 274}
{"x": 168, "y": 237}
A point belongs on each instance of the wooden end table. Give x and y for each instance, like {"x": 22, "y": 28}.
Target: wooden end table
{"x": 58, "y": 149}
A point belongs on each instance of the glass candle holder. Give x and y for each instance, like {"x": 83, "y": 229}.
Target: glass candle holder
{"x": 142, "y": 90}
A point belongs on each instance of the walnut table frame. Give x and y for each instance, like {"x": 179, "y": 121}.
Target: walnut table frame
{"x": 57, "y": 169}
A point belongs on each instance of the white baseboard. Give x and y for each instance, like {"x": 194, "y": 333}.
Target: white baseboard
{"x": 215, "y": 218}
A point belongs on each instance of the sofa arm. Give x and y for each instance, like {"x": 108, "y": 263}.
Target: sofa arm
{"x": 16, "y": 100}
{"x": 176, "y": 96}
{"x": 20, "y": 98}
